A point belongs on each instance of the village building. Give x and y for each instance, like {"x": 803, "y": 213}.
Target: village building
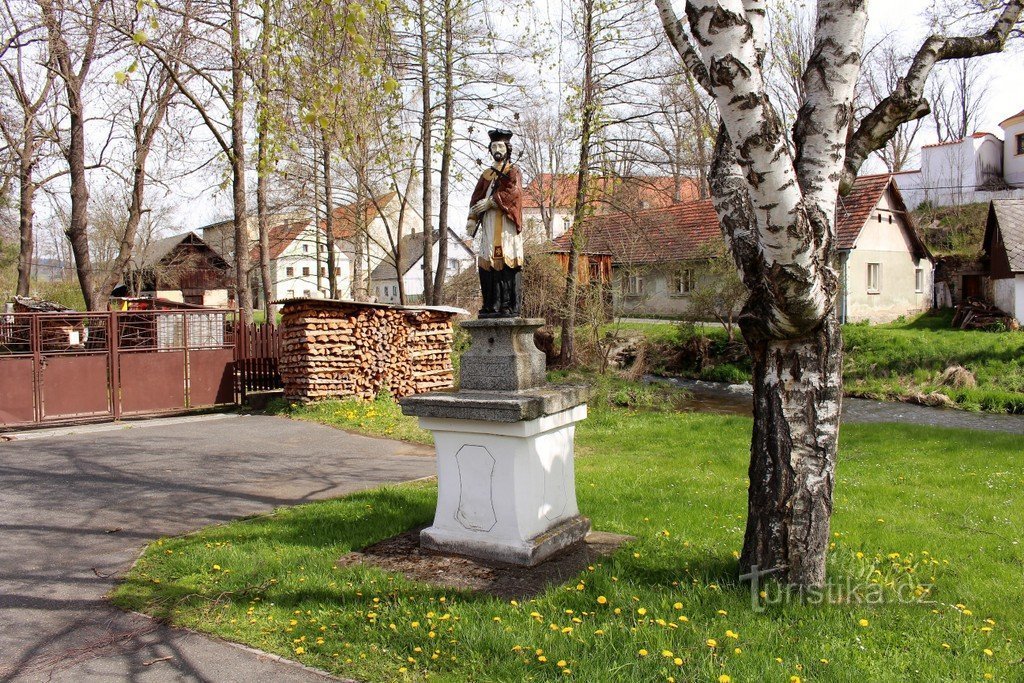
{"x": 658, "y": 255}
{"x": 185, "y": 269}
{"x": 1004, "y": 252}
{"x": 549, "y": 199}
{"x": 384, "y": 280}
{"x": 978, "y": 168}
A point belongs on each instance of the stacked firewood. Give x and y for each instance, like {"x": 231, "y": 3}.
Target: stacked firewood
{"x": 975, "y": 314}
{"x": 337, "y": 349}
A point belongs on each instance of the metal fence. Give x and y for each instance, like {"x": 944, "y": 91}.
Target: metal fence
{"x": 70, "y": 366}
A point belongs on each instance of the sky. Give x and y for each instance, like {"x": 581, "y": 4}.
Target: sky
{"x": 903, "y": 19}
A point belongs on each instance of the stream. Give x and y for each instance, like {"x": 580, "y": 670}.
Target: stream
{"x": 736, "y": 399}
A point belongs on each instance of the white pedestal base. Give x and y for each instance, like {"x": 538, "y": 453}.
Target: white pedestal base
{"x": 506, "y": 491}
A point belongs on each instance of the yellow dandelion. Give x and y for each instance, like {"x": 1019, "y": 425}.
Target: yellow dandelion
{"x": 732, "y": 634}
{"x": 601, "y": 600}
{"x": 678, "y": 605}
{"x": 561, "y": 664}
{"x": 542, "y": 658}
{"x": 666, "y": 653}
{"x": 300, "y": 650}
{"x": 677, "y": 661}
{"x": 598, "y": 632}
{"x": 642, "y": 653}
{"x": 864, "y": 622}
{"x": 712, "y": 642}
{"x": 988, "y": 652}
{"x": 642, "y": 611}
{"x": 724, "y": 678}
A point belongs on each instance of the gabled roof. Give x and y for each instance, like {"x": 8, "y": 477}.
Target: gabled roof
{"x": 412, "y": 252}
{"x": 854, "y": 210}
{"x": 345, "y": 215}
{"x": 685, "y": 231}
{"x": 612, "y": 194}
{"x": 279, "y": 237}
{"x": 160, "y": 249}
{"x": 1007, "y": 216}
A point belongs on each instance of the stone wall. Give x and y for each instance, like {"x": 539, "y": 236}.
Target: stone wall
{"x": 344, "y": 349}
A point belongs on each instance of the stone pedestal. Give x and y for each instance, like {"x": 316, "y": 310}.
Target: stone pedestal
{"x": 504, "y": 442}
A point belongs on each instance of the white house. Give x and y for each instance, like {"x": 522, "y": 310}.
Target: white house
{"x": 885, "y": 270}
{"x": 384, "y": 278}
{"x": 298, "y": 262}
{"x": 976, "y": 169}
{"x": 658, "y": 255}
{"x": 1004, "y": 248}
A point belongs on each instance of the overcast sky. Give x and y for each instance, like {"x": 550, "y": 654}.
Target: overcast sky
{"x": 903, "y": 19}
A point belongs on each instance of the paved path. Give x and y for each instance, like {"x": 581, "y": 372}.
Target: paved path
{"x": 75, "y": 510}
{"x": 715, "y": 397}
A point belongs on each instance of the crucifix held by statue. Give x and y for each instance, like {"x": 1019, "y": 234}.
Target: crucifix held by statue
{"x": 496, "y": 224}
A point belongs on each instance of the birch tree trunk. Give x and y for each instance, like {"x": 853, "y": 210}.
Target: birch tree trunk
{"x": 241, "y": 218}
{"x": 777, "y": 211}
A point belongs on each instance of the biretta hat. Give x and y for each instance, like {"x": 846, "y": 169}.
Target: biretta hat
{"x": 499, "y": 134}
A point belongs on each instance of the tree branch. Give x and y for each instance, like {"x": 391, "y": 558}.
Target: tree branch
{"x": 907, "y": 101}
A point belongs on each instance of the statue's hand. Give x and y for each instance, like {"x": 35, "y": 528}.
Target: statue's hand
{"x": 482, "y": 206}
{"x": 471, "y": 226}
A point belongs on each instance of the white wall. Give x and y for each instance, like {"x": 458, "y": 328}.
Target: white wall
{"x": 533, "y": 224}
{"x": 1008, "y": 295}
{"x": 459, "y": 260}
{"x": 1013, "y": 163}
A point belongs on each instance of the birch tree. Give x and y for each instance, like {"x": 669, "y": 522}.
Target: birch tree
{"x": 776, "y": 203}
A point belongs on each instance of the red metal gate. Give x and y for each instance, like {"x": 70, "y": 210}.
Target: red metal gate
{"x": 70, "y": 366}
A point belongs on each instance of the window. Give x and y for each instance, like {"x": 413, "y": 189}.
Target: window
{"x": 566, "y": 224}
{"x": 323, "y": 271}
{"x": 874, "y": 278}
{"x": 394, "y": 290}
{"x": 306, "y": 293}
{"x": 682, "y": 283}
{"x": 290, "y": 294}
{"x": 337, "y": 271}
{"x": 305, "y": 271}
{"x": 1020, "y": 143}
{"x": 919, "y": 280}
{"x": 595, "y": 271}
{"x": 634, "y": 285}
{"x": 305, "y": 248}
{"x": 289, "y": 271}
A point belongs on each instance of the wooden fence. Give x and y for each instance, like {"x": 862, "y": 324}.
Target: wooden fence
{"x": 257, "y": 350}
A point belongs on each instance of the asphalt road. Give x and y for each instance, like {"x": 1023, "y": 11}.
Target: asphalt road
{"x": 76, "y": 510}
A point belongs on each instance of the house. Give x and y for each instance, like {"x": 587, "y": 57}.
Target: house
{"x": 549, "y": 199}
{"x": 978, "y": 168}
{"x": 185, "y": 269}
{"x": 658, "y": 255}
{"x": 298, "y": 261}
{"x": 375, "y": 223}
{"x": 1004, "y": 250}
{"x": 885, "y": 270}
{"x": 384, "y": 278}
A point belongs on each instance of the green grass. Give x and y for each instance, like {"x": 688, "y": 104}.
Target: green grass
{"x": 382, "y": 417}
{"x": 897, "y": 360}
{"x": 950, "y": 503}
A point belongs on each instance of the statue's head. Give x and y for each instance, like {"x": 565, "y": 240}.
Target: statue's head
{"x": 500, "y": 147}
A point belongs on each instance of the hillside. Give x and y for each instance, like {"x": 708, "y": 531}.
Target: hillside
{"x": 952, "y": 230}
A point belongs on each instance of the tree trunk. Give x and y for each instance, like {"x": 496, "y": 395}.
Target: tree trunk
{"x": 446, "y": 156}
{"x": 263, "y": 168}
{"x": 567, "y": 352}
{"x": 428, "y": 170}
{"x": 26, "y": 213}
{"x": 78, "y": 225}
{"x": 797, "y": 400}
{"x": 332, "y": 278}
{"x": 244, "y": 292}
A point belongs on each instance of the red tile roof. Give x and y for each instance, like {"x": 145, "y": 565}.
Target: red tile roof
{"x": 279, "y": 237}
{"x": 345, "y": 215}
{"x": 612, "y": 194}
{"x": 685, "y": 231}
{"x": 674, "y": 233}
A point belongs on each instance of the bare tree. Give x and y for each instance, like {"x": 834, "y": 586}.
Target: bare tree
{"x": 74, "y": 38}
{"x": 958, "y": 98}
{"x": 776, "y": 204}
{"x": 30, "y": 79}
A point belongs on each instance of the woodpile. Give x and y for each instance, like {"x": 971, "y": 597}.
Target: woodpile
{"x": 975, "y": 314}
{"x": 341, "y": 349}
